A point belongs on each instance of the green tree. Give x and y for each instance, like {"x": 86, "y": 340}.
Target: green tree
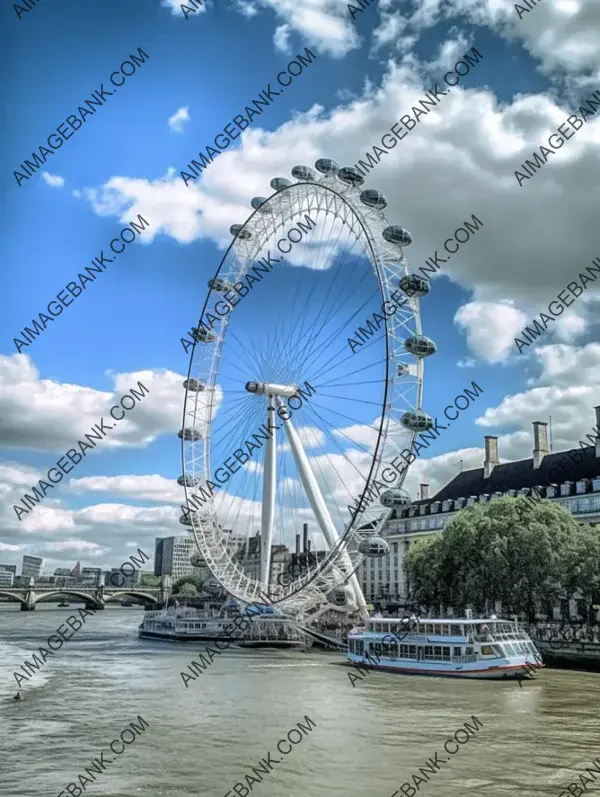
{"x": 195, "y": 581}
{"x": 188, "y": 591}
{"x": 527, "y": 557}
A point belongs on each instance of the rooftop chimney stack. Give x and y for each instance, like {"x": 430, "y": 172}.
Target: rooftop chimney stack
{"x": 491, "y": 455}
{"x": 540, "y": 443}
{"x": 597, "y": 409}
{"x": 424, "y": 491}
{"x": 297, "y": 544}
{"x": 305, "y": 537}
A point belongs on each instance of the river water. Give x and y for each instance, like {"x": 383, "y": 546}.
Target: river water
{"x": 367, "y": 741}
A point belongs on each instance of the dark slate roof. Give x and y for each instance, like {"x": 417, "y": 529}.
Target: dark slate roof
{"x": 515, "y": 476}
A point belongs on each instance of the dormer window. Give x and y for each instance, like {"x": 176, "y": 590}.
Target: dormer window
{"x": 565, "y": 489}
{"x": 551, "y": 491}
{"x": 446, "y": 506}
{"x": 596, "y": 484}
{"x": 581, "y": 486}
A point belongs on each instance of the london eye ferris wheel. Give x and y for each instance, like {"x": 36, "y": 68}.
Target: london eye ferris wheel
{"x": 305, "y": 381}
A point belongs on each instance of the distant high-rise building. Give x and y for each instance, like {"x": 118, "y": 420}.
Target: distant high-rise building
{"x": 31, "y": 566}
{"x": 6, "y": 578}
{"x": 172, "y": 556}
{"x": 90, "y": 575}
{"x": 11, "y": 569}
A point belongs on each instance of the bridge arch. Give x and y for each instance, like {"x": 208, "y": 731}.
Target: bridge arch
{"x": 14, "y": 598}
{"x": 132, "y": 593}
{"x": 86, "y": 597}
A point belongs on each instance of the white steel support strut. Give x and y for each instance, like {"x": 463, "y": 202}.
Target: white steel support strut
{"x": 318, "y": 505}
{"x": 268, "y": 500}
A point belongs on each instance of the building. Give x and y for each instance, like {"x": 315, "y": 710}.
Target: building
{"x": 6, "y": 577}
{"x": 172, "y": 556}
{"x": 249, "y": 559}
{"x": 31, "y": 566}
{"x": 569, "y": 478}
{"x": 11, "y": 569}
{"x": 90, "y": 575}
{"x": 115, "y": 578}
{"x": 62, "y": 571}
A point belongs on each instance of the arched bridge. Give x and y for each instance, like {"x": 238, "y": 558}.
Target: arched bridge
{"x": 93, "y": 597}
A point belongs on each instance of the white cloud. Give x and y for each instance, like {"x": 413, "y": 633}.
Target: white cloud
{"x": 176, "y": 7}
{"x": 176, "y": 122}
{"x": 490, "y": 328}
{"x": 53, "y": 180}
{"x": 46, "y": 415}
{"x": 142, "y": 488}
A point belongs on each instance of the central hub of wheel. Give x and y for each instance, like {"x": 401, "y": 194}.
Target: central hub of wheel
{"x": 271, "y": 389}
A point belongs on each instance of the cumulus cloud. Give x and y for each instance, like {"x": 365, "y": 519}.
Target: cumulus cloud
{"x": 53, "y": 180}
{"x": 177, "y": 10}
{"x": 490, "y": 328}
{"x": 46, "y": 415}
{"x": 177, "y": 121}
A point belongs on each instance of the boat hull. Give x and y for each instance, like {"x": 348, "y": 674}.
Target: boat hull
{"x": 175, "y": 637}
{"x": 495, "y": 672}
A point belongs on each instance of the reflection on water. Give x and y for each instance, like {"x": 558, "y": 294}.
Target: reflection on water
{"x": 367, "y": 742}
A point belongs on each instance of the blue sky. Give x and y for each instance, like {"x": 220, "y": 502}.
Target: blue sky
{"x": 130, "y": 320}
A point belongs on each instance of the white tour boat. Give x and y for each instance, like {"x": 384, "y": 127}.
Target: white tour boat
{"x": 467, "y": 648}
{"x": 181, "y": 624}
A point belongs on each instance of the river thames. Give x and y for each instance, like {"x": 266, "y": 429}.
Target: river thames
{"x": 367, "y": 740}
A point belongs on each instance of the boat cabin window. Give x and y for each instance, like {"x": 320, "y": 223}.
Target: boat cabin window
{"x": 510, "y": 650}
{"x": 446, "y": 630}
{"x": 458, "y": 651}
{"x": 486, "y": 650}
{"x": 377, "y": 627}
{"x": 360, "y": 645}
{"x": 437, "y": 629}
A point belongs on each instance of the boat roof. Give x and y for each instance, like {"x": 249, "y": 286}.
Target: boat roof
{"x": 442, "y": 621}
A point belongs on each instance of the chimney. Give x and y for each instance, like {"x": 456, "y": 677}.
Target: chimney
{"x": 540, "y": 443}
{"x": 297, "y": 544}
{"x": 304, "y": 537}
{"x": 597, "y": 430}
{"x": 491, "y": 455}
{"x": 424, "y": 491}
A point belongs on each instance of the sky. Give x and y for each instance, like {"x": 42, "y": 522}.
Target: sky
{"x": 537, "y": 67}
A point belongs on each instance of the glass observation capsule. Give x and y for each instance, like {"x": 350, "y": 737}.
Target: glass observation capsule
{"x": 341, "y": 596}
{"x": 189, "y": 434}
{"x": 420, "y": 346}
{"x": 395, "y": 498}
{"x": 373, "y": 199}
{"x": 413, "y": 285}
{"x": 373, "y": 547}
{"x": 258, "y": 202}
{"x": 188, "y": 481}
{"x": 185, "y": 520}
{"x": 350, "y": 176}
{"x": 327, "y": 166}
{"x": 193, "y": 385}
{"x": 203, "y": 335}
{"x": 417, "y": 421}
{"x": 303, "y": 173}
{"x": 238, "y": 232}
{"x": 397, "y": 235}
{"x": 220, "y": 285}
{"x": 197, "y": 560}
{"x": 279, "y": 183}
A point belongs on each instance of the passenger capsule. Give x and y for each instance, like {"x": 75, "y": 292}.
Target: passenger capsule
{"x": 189, "y": 434}
{"x": 303, "y": 173}
{"x": 417, "y": 421}
{"x": 237, "y": 231}
{"x": 420, "y": 346}
{"x": 220, "y": 285}
{"x": 202, "y": 335}
{"x": 197, "y": 560}
{"x": 185, "y": 520}
{"x": 403, "y": 369}
{"x": 373, "y": 199}
{"x": 279, "y": 183}
{"x": 373, "y": 547}
{"x": 327, "y": 166}
{"x": 350, "y": 176}
{"x": 193, "y": 385}
{"x": 341, "y": 596}
{"x": 258, "y": 202}
{"x": 395, "y": 499}
{"x": 188, "y": 481}
{"x": 397, "y": 235}
{"x": 413, "y": 285}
